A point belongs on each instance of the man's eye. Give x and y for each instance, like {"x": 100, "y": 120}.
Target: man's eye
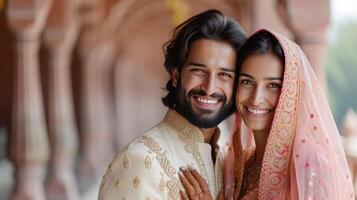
{"x": 226, "y": 75}
{"x": 274, "y": 85}
{"x": 197, "y": 70}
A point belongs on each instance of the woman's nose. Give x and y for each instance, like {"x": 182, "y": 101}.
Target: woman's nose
{"x": 257, "y": 96}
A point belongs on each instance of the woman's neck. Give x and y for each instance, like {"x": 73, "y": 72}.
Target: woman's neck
{"x": 261, "y": 138}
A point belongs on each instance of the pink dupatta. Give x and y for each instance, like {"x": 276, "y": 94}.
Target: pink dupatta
{"x": 304, "y": 157}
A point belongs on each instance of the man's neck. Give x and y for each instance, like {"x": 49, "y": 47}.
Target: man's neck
{"x": 207, "y": 134}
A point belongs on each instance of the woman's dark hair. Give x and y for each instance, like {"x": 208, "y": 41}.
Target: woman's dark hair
{"x": 260, "y": 42}
{"x": 211, "y": 24}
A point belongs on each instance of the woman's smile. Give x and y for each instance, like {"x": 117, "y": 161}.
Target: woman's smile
{"x": 257, "y": 112}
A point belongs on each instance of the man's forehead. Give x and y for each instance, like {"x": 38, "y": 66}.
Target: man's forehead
{"x": 211, "y": 54}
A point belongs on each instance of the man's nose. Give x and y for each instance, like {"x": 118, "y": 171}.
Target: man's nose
{"x": 209, "y": 85}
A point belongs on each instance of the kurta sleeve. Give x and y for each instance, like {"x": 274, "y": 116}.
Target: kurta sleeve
{"x": 134, "y": 174}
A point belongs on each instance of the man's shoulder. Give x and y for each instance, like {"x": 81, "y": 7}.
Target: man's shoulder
{"x": 150, "y": 142}
{"x": 141, "y": 170}
{"x": 160, "y": 134}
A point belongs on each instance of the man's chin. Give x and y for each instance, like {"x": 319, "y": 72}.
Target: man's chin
{"x": 205, "y": 120}
{"x": 205, "y": 112}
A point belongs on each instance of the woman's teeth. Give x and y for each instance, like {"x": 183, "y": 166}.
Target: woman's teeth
{"x": 258, "y": 111}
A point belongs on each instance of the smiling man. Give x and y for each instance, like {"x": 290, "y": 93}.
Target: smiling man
{"x": 201, "y": 59}
{"x": 206, "y": 83}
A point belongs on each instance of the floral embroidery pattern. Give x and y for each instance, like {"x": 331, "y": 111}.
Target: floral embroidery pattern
{"x": 148, "y": 162}
{"x": 136, "y": 182}
{"x": 126, "y": 162}
{"x": 117, "y": 183}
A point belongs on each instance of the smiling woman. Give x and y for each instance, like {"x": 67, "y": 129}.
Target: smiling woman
{"x": 259, "y": 85}
{"x": 297, "y": 151}
{"x": 281, "y": 103}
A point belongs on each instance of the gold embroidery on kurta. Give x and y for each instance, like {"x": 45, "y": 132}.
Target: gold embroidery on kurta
{"x": 192, "y": 147}
{"x": 136, "y": 182}
{"x": 162, "y": 185}
{"x": 117, "y": 183}
{"x": 173, "y": 184}
{"x": 148, "y": 162}
{"x": 190, "y": 136}
{"x": 126, "y": 162}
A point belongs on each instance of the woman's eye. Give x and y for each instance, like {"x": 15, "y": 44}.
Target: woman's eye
{"x": 274, "y": 85}
{"x": 246, "y": 82}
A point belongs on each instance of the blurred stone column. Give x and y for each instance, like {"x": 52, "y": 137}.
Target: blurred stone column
{"x": 349, "y": 124}
{"x": 60, "y": 36}
{"x": 97, "y": 116}
{"x": 349, "y": 129}
{"x": 28, "y": 148}
{"x": 97, "y": 144}
{"x": 309, "y": 21}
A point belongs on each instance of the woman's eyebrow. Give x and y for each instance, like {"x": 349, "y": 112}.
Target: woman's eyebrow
{"x": 268, "y": 78}
{"x": 273, "y": 78}
{"x": 247, "y": 75}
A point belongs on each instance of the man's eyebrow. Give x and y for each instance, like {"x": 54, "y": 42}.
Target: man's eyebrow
{"x": 196, "y": 64}
{"x": 228, "y": 70}
{"x": 203, "y": 65}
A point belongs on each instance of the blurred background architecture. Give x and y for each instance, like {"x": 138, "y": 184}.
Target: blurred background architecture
{"x": 79, "y": 79}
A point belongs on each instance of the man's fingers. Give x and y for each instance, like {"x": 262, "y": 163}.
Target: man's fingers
{"x": 201, "y": 181}
{"x": 183, "y": 195}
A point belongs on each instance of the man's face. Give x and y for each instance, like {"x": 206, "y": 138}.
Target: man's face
{"x": 204, "y": 87}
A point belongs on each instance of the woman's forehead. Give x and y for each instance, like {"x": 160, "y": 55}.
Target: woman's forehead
{"x": 262, "y": 66}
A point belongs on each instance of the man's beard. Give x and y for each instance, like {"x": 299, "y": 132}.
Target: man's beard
{"x": 206, "y": 118}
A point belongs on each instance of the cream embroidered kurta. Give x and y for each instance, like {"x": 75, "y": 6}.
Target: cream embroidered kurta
{"x": 148, "y": 167}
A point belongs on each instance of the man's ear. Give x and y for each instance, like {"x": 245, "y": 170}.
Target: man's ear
{"x": 174, "y": 76}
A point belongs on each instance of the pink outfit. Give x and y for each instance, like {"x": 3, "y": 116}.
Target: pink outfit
{"x": 304, "y": 157}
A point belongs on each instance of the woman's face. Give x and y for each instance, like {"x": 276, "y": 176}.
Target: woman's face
{"x": 258, "y": 91}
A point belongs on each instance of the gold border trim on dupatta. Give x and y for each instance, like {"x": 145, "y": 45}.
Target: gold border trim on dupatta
{"x": 274, "y": 177}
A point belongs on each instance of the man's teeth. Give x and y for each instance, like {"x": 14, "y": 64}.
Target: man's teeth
{"x": 207, "y": 101}
{"x": 258, "y": 111}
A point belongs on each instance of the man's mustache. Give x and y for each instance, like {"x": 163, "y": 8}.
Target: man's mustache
{"x": 199, "y": 92}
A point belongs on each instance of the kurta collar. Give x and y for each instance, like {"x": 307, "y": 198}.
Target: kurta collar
{"x": 189, "y": 131}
